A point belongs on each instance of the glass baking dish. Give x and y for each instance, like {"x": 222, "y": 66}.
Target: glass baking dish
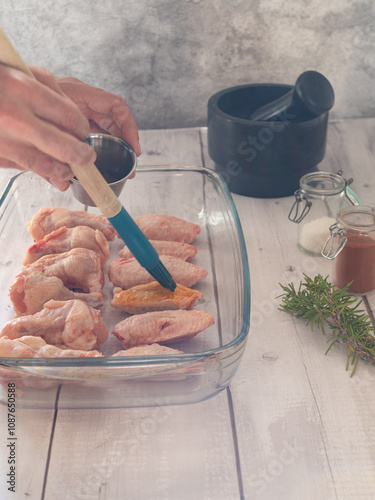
{"x": 209, "y": 361}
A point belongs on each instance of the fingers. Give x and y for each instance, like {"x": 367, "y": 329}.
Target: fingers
{"x": 59, "y": 184}
{"x": 60, "y": 145}
{"x": 46, "y": 101}
{"x": 120, "y": 122}
{"x": 41, "y": 129}
{"x": 94, "y": 128}
{"x": 62, "y": 185}
{"x": 22, "y": 127}
{"x": 30, "y": 158}
{"x": 34, "y": 113}
{"x": 108, "y": 111}
{"x": 46, "y": 78}
{"x": 60, "y": 111}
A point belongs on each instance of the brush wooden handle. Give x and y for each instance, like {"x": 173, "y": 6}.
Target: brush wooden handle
{"x": 9, "y": 55}
{"x": 98, "y": 189}
{"x": 89, "y": 176}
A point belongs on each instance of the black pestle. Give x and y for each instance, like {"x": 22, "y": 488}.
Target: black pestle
{"x": 311, "y": 96}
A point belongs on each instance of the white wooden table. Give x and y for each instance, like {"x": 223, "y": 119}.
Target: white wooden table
{"x": 292, "y": 425}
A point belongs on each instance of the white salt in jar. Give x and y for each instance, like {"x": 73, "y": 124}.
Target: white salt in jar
{"x": 320, "y": 197}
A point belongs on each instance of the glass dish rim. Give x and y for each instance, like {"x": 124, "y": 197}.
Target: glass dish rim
{"x": 170, "y": 359}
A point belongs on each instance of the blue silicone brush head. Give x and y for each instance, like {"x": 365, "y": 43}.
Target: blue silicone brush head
{"x": 163, "y": 276}
{"x": 141, "y": 248}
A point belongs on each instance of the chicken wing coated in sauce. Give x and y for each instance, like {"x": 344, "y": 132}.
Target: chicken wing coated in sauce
{"x": 127, "y": 273}
{"x": 154, "y": 297}
{"x": 162, "y": 327}
{"x": 167, "y": 227}
{"x": 64, "y": 239}
{"x": 70, "y": 323}
{"x": 47, "y": 220}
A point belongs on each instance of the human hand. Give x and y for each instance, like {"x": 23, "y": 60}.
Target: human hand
{"x": 106, "y": 112}
{"x": 41, "y": 129}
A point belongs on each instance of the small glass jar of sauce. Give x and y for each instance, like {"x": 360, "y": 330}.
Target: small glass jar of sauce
{"x": 352, "y": 246}
{"x": 320, "y": 197}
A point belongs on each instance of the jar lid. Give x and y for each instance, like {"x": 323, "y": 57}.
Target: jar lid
{"x": 357, "y": 218}
{"x": 323, "y": 183}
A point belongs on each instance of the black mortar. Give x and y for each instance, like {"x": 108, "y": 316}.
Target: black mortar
{"x": 262, "y": 159}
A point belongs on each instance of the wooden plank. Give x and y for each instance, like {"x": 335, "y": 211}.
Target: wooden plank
{"x": 149, "y": 453}
{"x": 180, "y": 452}
{"x": 302, "y": 422}
{"x": 33, "y": 432}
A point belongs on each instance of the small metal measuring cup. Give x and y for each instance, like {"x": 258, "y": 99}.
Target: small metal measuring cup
{"x": 116, "y": 161}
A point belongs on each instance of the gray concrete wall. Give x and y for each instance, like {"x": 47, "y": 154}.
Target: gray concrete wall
{"x": 166, "y": 57}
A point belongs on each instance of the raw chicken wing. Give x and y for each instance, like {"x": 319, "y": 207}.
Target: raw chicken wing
{"x": 79, "y": 268}
{"x": 127, "y": 273}
{"x": 70, "y": 324}
{"x": 49, "y": 219}
{"x": 148, "y": 350}
{"x": 183, "y": 251}
{"x": 162, "y": 327}
{"x": 154, "y": 297}
{"x": 167, "y": 227}
{"x": 162, "y": 350}
{"x": 64, "y": 239}
{"x": 29, "y": 292}
{"x": 35, "y": 347}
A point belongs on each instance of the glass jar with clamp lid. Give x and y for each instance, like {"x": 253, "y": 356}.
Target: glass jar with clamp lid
{"x": 352, "y": 246}
{"x": 320, "y": 197}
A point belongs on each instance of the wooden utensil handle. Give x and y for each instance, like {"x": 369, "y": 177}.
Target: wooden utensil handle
{"x": 89, "y": 176}
{"x": 98, "y": 189}
{"x": 10, "y": 57}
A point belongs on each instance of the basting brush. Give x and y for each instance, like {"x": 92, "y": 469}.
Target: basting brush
{"x": 102, "y": 195}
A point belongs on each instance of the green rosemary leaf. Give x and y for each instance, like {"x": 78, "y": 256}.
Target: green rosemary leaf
{"x": 321, "y": 304}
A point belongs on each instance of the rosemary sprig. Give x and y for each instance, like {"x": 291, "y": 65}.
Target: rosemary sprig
{"x": 322, "y": 304}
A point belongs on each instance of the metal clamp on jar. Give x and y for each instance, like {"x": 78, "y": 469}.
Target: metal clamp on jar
{"x": 352, "y": 246}
{"x": 320, "y": 197}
